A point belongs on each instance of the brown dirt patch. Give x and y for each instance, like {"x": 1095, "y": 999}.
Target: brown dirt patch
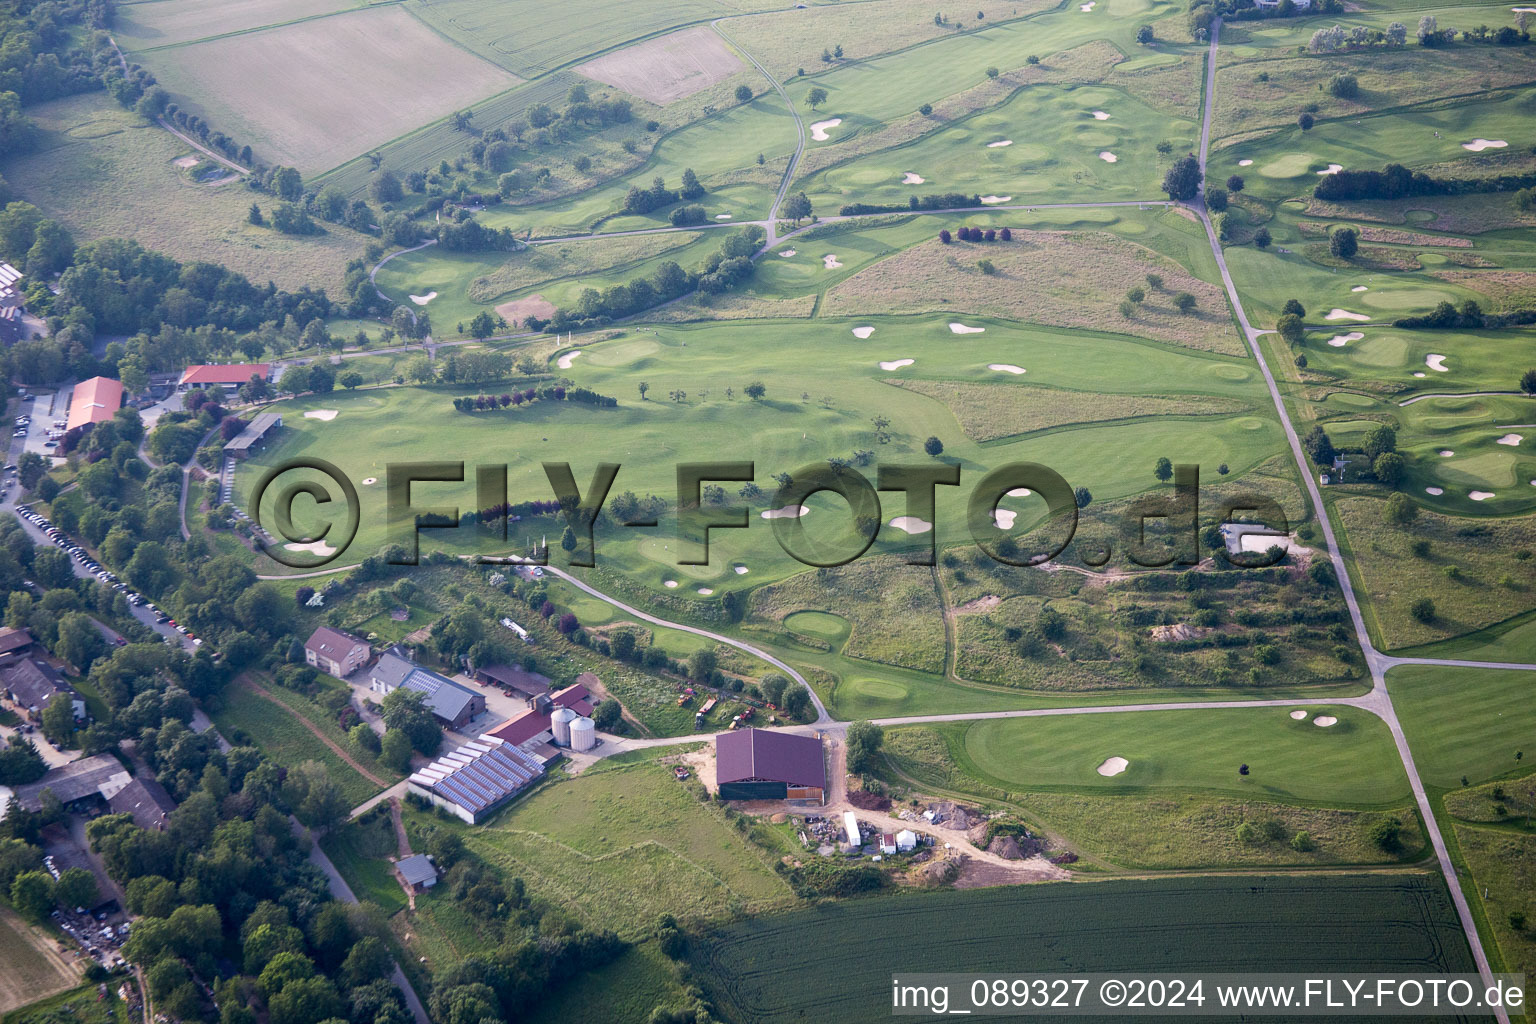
{"x": 518, "y": 310}
{"x": 34, "y": 967}
{"x": 984, "y": 603}
{"x": 1060, "y": 278}
{"x": 667, "y": 68}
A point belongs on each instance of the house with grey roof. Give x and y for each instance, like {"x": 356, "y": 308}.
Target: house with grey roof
{"x": 32, "y": 685}
{"x": 417, "y": 872}
{"x": 451, "y": 704}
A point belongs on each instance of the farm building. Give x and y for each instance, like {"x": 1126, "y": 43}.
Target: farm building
{"x": 229, "y": 376}
{"x": 450, "y": 703}
{"x": 14, "y": 644}
{"x": 11, "y": 302}
{"x": 332, "y": 651}
{"x": 257, "y": 433}
{"x": 763, "y": 764}
{"x": 12, "y": 327}
{"x": 146, "y": 800}
{"x": 93, "y": 401}
{"x": 537, "y": 730}
{"x": 906, "y": 840}
{"x": 527, "y": 685}
{"x": 417, "y": 872}
{"x": 887, "y": 843}
{"x": 475, "y": 780}
{"x": 90, "y": 781}
{"x": 32, "y": 685}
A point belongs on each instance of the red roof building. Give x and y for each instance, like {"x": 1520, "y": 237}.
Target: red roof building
{"x": 765, "y": 764}
{"x": 230, "y": 376}
{"x": 93, "y": 401}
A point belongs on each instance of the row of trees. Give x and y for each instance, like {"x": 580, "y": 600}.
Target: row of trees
{"x": 1397, "y": 182}
{"x": 548, "y": 393}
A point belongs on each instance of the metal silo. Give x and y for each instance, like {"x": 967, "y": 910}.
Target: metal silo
{"x": 560, "y": 724}
{"x": 583, "y": 734}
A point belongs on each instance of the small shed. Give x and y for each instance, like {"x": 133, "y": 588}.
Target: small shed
{"x": 887, "y": 843}
{"x": 906, "y": 840}
{"x": 417, "y": 872}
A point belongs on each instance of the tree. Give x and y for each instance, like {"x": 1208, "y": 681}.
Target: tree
{"x": 1429, "y": 31}
{"x": 1319, "y": 446}
{"x": 816, "y": 97}
{"x": 1306, "y": 121}
{"x": 864, "y": 740}
{"x": 797, "y": 207}
{"x": 386, "y": 188}
{"x": 702, "y": 664}
{"x": 395, "y": 750}
{"x": 1343, "y": 243}
{"x": 32, "y": 894}
{"x": 317, "y": 801}
{"x": 1182, "y": 182}
{"x": 1155, "y": 282}
{"x": 406, "y": 710}
{"x": 925, "y": 109}
{"x": 743, "y": 94}
{"x": 1163, "y": 470}
{"x": 607, "y": 715}
{"x": 1388, "y": 468}
{"x": 1216, "y": 198}
{"x": 1397, "y": 34}
{"x": 934, "y": 447}
{"x": 1184, "y": 302}
{"x": 1144, "y": 35}
{"x": 1379, "y": 441}
{"x": 643, "y": 387}
{"x": 1528, "y": 382}
{"x": 1400, "y": 510}
{"x": 1136, "y": 295}
{"x": 1261, "y": 238}
{"x": 1082, "y": 496}
{"x": 568, "y": 540}
{"x": 1235, "y": 183}
{"x": 755, "y": 390}
{"x": 1344, "y": 86}
{"x": 76, "y": 887}
{"x": 1291, "y": 328}
{"x": 59, "y": 721}
{"x": 482, "y": 326}
{"x": 992, "y": 72}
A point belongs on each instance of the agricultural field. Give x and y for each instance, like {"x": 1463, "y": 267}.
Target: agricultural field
{"x": 156, "y": 23}
{"x": 34, "y": 967}
{"x": 1259, "y": 923}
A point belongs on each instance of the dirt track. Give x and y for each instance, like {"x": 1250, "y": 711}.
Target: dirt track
{"x": 336, "y": 748}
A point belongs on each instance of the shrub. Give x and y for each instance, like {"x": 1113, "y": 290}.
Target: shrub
{"x": 1423, "y": 609}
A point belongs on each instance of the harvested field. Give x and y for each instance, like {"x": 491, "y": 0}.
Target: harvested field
{"x": 1066, "y": 279}
{"x": 530, "y": 43}
{"x": 314, "y": 94}
{"x": 103, "y": 172}
{"x": 34, "y": 967}
{"x": 516, "y": 311}
{"x": 669, "y": 68}
{"x": 541, "y": 263}
{"x": 140, "y": 26}
{"x": 987, "y": 412}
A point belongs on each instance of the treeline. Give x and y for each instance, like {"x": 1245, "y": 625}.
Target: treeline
{"x": 937, "y": 201}
{"x": 1201, "y": 12}
{"x": 39, "y": 61}
{"x": 1397, "y": 182}
{"x": 548, "y": 393}
{"x": 638, "y": 200}
{"x": 1468, "y": 316}
{"x": 725, "y": 269}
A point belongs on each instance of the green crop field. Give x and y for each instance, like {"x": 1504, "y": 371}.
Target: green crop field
{"x": 34, "y": 968}
{"x": 1343, "y": 923}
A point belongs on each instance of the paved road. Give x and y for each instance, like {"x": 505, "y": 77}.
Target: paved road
{"x": 1378, "y": 701}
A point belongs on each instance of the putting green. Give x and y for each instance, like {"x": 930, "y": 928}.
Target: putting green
{"x": 821, "y": 624}
{"x": 1227, "y": 371}
{"x": 879, "y": 689}
{"x": 622, "y": 353}
{"x": 1289, "y": 166}
{"x": 1350, "y": 400}
{"x": 1420, "y": 216}
{"x": 1406, "y": 298}
{"x": 1490, "y": 469}
{"x": 1249, "y": 423}
{"x": 665, "y": 553}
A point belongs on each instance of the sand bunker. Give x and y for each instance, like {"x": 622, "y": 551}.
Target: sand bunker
{"x": 1006, "y": 368}
{"x": 567, "y": 359}
{"x": 958, "y": 328}
{"x": 1510, "y": 439}
{"x": 1480, "y": 495}
{"x": 993, "y": 200}
{"x": 1108, "y": 157}
{"x": 1019, "y": 492}
{"x": 1446, "y": 453}
{"x": 369, "y": 481}
{"x": 911, "y": 524}
{"x": 1113, "y": 765}
{"x": 787, "y": 512}
{"x": 908, "y": 178}
{"x": 1435, "y": 362}
{"x": 1324, "y": 721}
{"x": 1420, "y": 373}
{"x": 1085, "y": 8}
{"x": 321, "y": 414}
{"x": 1340, "y": 340}
{"x": 722, "y": 216}
{"x": 1332, "y": 169}
{"x": 1359, "y": 288}
{"x": 787, "y": 253}
{"x": 1298, "y": 715}
{"x": 830, "y": 262}
{"x": 819, "y": 129}
{"x": 1344, "y": 314}
{"x": 1478, "y": 145}
{"x": 705, "y": 591}
{"x": 1003, "y": 518}
{"x": 422, "y": 300}
{"x": 1245, "y": 163}
{"x": 1000, "y": 145}
{"x": 669, "y": 584}
{"x": 896, "y": 364}
{"x": 1099, "y": 115}
{"x": 741, "y": 570}
{"x": 863, "y": 332}
{"x": 1434, "y": 491}
{"x": 318, "y": 547}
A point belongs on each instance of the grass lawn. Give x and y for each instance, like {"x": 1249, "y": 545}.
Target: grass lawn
{"x": 635, "y": 984}
{"x": 617, "y": 848}
{"x": 361, "y": 853}
{"x": 1462, "y": 721}
{"x": 283, "y": 737}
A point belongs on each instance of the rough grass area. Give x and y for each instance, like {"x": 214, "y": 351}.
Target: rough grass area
{"x": 84, "y": 1005}
{"x": 539, "y": 264}
{"x": 362, "y": 852}
{"x": 1175, "y": 830}
{"x": 1090, "y": 62}
{"x": 105, "y": 172}
{"x": 990, "y": 411}
{"x": 1512, "y": 802}
{"x": 142, "y": 26}
{"x": 1503, "y": 289}
{"x": 1471, "y": 572}
{"x": 1393, "y": 236}
{"x": 1388, "y": 78}
{"x": 34, "y": 967}
{"x": 834, "y": 962}
{"x": 1502, "y": 864}
{"x": 667, "y": 68}
{"x": 746, "y": 305}
{"x": 1467, "y": 215}
{"x": 316, "y": 93}
{"x": 787, "y": 40}
{"x": 891, "y": 607}
{"x": 630, "y": 988}
{"x": 617, "y": 848}
{"x": 283, "y": 737}
{"x": 1065, "y": 279}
